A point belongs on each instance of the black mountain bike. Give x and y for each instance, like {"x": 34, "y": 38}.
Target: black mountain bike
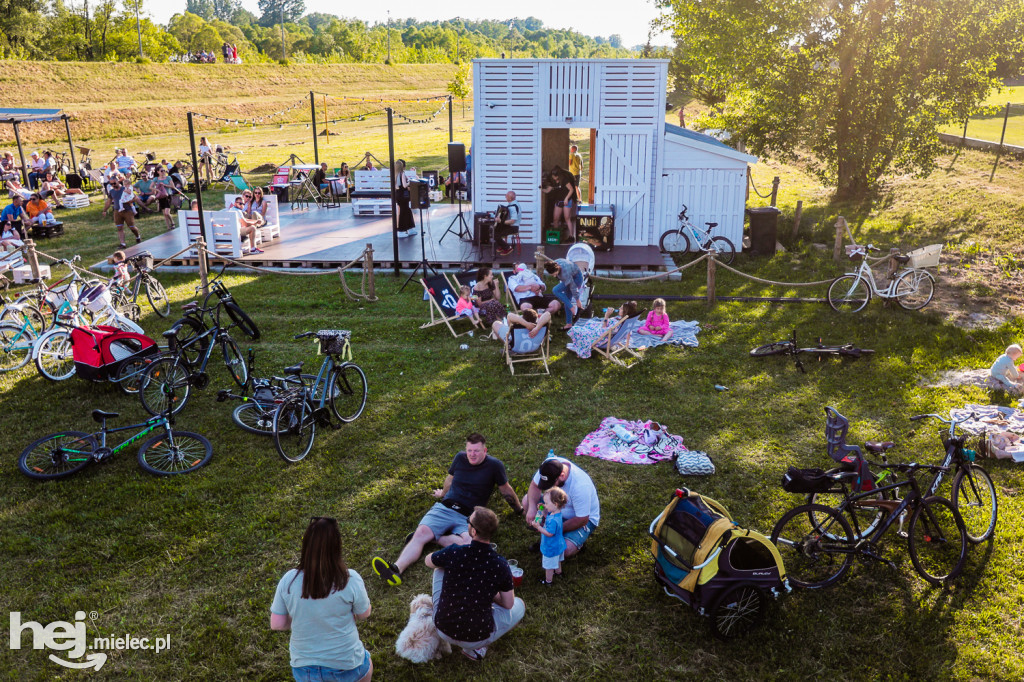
{"x": 167, "y": 453}
{"x": 260, "y": 398}
{"x": 126, "y": 298}
{"x": 821, "y": 351}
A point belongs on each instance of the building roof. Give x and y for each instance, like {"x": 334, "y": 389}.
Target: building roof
{"x": 709, "y": 142}
{"x": 28, "y": 115}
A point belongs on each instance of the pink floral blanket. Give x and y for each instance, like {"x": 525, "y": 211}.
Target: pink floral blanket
{"x": 604, "y": 443}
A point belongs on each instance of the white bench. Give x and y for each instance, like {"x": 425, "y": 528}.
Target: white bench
{"x": 223, "y": 231}
{"x": 371, "y": 195}
{"x": 272, "y": 229}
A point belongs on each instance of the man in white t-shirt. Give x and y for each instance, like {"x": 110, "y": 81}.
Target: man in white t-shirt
{"x": 583, "y": 512}
{"x": 528, "y": 290}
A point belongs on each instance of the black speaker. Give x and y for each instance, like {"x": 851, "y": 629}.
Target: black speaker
{"x": 419, "y": 194}
{"x": 456, "y": 157}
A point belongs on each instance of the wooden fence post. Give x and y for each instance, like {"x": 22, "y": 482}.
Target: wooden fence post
{"x": 711, "y": 279}
{"x": 33, "y": 259}
{"x": 203, "y": 264}
{"x": 775, "y": 189}
{"x": 368, "y": 265}
{"x": 837, "y": 250}
{"x": 796, "y": 219}
{"x": 538, "y": 257}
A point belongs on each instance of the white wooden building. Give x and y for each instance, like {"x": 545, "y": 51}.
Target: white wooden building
{"x": 524, "y": 109}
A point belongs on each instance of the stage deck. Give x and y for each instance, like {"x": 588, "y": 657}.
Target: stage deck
{"x": 332, "y": 237}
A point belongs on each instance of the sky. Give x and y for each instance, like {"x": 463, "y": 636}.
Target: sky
{"x": 630, "y": 18}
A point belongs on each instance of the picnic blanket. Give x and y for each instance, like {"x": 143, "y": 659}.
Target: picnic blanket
{"x": 989, "y": 419}
{"x": 586, "y": 331}
{"x": 968, "y": 377}
{"x": 604, "y": 443}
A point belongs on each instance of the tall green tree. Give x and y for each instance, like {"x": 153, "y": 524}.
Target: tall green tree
{"x": 862, "y": 84}
{"x": 271, "y": 11}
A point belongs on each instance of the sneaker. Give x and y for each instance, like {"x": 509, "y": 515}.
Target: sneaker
{"x": 475, "y": 654}
{"x": 387, "y": 571}
{"x": 138, "y": 240}
{"x": 255, "y": 251}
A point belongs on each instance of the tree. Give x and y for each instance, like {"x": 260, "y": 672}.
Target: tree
{"x": 271, "y": 11}
{"x": 863, "y": 84}
{"x": 459, "y": 85}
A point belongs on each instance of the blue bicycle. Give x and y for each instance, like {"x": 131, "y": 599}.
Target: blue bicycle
{"x": 339, "y": 385}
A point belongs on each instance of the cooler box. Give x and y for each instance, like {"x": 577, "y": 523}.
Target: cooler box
{"x": 23, "y": 274}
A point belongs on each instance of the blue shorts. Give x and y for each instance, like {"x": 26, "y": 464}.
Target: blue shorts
{"x": 580, "y": 535}
{"x": 318, "y": 673}
{"x": 444, "y": 521}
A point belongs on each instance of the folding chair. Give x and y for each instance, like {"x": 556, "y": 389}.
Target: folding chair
{"x": 442, "y": 298}
{"x": 506, "y": 275}
{"x": 519, "y": 338}
{"x": 95, "y": 176}
{"x": 614, "y": 341}
{"x": 239, "y": 182}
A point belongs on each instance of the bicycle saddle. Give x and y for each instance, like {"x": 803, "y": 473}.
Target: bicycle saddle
{"x": 903, "y": 260}
{"x": 878, "y": 446}
{"x": 710, "y": 225}
{"x": 99, "y": 415}
{"x": 294, "y": 370}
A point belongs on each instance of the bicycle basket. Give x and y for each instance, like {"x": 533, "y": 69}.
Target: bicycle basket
{"x": 855, "y": 252}
{"x": 96, "y": 297}
{"x": 333, "y": 341}
{"x": 925, "y": 257}
{"x": 68, "y": 293}
{"x": 805, "y": 481}
{"x": 143, "y": 260}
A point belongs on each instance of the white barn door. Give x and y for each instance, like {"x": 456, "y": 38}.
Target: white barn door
{"x": 623, "y": 162}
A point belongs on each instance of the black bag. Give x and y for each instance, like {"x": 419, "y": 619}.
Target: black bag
{"x": 806, "y": 481}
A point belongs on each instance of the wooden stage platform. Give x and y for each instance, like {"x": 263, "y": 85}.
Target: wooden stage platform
{"x": 331, "y": 237}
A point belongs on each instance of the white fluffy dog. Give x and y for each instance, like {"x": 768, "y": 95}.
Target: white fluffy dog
{"x": 419, "y": 641}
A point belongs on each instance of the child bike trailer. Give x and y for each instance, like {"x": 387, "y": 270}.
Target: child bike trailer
{"x": 101, "y": 352}
{"x": 704, "y": 559}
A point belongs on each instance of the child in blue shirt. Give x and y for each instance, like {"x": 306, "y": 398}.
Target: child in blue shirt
{"x": 552, "y": 542}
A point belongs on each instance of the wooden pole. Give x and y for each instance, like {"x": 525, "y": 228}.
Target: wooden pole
{"x": 837, "y": 250}
{"x": 204, "y": 267}
{"x": 32, "y": 257}
{"x": 368, "y": 265}
{"x": 539, "y": 259}
{"x": 312, "y": 120}
{"x": 775, "y": 189}
{"x": 1002, "y": 137}
{"x": 796, "y": 219}
{"x": 711, "y": 278}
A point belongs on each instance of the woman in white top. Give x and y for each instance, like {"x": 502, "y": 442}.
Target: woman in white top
{"x": 257, "y": 205}
{"x": 205, "y": 157}
{"x": 320, "y": 601}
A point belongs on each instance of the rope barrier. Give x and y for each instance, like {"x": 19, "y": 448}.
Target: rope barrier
{"x": 770, "y": 281}
{"x": 659, "y": 275}
{"x": 763, "y": 196}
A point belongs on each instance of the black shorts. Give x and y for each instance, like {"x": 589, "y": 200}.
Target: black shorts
{"x": 538, "y": 302}
{"x": 164, "y": 203}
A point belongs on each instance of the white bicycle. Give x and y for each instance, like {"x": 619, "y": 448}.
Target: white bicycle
{"x": 912, "y": 287}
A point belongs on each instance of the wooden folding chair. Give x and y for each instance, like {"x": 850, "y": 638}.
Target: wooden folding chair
{"x": 442, "y": 298}
{"x": 614, "y": 342}
{"x": 506, "y": 275}
{"x": 516, "y": 336}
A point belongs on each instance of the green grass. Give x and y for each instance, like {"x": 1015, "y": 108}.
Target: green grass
{"x": 990, "y": 126}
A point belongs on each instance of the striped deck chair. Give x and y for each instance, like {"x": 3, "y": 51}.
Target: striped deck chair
{"x": 518, "y": 337}
{"x": 441, "y": 298}
{"x": 613, "y": 344}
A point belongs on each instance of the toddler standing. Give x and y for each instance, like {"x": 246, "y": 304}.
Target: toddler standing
{"x": 552, "y": 542}
{"x": 465, "y": 308}
{"x": 657, "y": 323}
{"x": 121, "y": 274}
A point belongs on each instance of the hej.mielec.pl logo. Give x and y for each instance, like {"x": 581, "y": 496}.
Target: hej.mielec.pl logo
{"x": 71, "y": 638}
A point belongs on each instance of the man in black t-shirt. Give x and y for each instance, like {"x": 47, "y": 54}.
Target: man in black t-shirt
{"x": 474, "y": 598}
{"x": 472, "y": 477}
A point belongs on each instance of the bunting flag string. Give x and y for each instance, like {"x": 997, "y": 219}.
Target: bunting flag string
{"x": 372, "y": 100}
{"x": 428, "y": 119}
{"x": 256, "y": 119}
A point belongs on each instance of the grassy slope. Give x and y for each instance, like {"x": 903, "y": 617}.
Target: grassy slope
{"x": 198, "y": 557}
{"x": 990, "y": 127}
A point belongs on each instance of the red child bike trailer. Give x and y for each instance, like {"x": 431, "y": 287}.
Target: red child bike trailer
{"x": 101, "y": 352}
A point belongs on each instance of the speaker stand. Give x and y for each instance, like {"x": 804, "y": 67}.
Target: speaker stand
{"x": 423, "y": 256}
{"x": 464, "y": 230}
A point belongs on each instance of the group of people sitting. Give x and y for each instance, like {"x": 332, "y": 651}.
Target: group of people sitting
{"x": 473, "y": 589}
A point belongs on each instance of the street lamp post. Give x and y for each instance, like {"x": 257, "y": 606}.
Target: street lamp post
{"x": 284, "y": 54}
{"x": 457, "y": 42}
{"x": 138, "y": 27}
{"x": 389, "y": 36}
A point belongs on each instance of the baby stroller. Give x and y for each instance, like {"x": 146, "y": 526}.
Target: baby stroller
{"x": 103, "y": 353}
{"x": 704, "y": 559}
{"x": 583, "y": 256}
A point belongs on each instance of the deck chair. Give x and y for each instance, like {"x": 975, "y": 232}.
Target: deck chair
{"x": 441, "y": 298}
{"x": 613, "y": 344}
{"x": 239, "y": 182}
{"x": 506, "y": 275}
{"x": 516, "y": 338}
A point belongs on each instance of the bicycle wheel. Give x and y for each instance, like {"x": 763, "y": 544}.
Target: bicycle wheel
{"x": 165, "y": 386}
{"x": 255, "y": 418}
{"x": 28, "y": 312}
{"x": 914, "y": 289}
{"x": 674, "y": 241}
{"x": 738, "y": 611}
{"x": 243, "y": 321}
{"x": 15, "y": 346}
{"x": 130, "y": 376}
{"x": 974, "y": 495}
{"x": 157, "y": 297}
{"x": 57, "y": 455}
{"x": 776, "y": 348}
{"x": 233, "y": 360}
{"x": 849, "y": 294}
{"x": 294, "y": 428}
{"x": 726, "y": 249}
{"x": 863, "y": 520}
{"x": 816, "y": 554}
{"x": 191, "y": 341}
{"x": 175, "y": 452}
{"x": 938, "y": 540}
{"x": 348, "y": 394}
{"x": 54, "y": 356}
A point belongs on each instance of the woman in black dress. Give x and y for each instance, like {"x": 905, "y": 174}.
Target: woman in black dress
{"x": 402, "y": 196}
{"x": 485, "y": 294}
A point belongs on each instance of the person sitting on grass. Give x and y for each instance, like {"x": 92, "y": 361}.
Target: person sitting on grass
{"x": 248, "y": 223}
{"x": 53, "y": 186}
{"x": 472, "y": 477}
{"x": 582, "y": 512}
{"x": 144, "y": 189}
{"x": 657, "y": 323}
{"x": 15, "y": 214}
{"x": 475, "y": 601}
{"x": 1004, "y": 370}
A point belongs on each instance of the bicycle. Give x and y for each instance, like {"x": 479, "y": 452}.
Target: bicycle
{"x": 340, "y": 384}
{"x": 60, "y": 297}
{"x": 789, "y": 347}
{"x": 126, "y": 297}
{"x": 686, "y": 236}
{"x": 912, "y": 287}
{"x": 260, "y": 398}
{"x": 17, "y": 343}
{"x": 62, "y": 454}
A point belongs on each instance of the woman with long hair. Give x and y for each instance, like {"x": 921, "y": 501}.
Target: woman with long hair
{"x": 402, "y": 197}
{"x": 320, "y": 601}
{"x": 205, "y": 159}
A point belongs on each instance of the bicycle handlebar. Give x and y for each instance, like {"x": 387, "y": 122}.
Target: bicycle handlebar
{"x": 951, "y": 422}
{"x": 304, "y": 335}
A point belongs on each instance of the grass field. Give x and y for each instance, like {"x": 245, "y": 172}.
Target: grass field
{"x": 198, "y": 556}
{"x": 990, "y": 126}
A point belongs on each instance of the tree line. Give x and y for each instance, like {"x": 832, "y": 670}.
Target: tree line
{"x": 106, "y": 30}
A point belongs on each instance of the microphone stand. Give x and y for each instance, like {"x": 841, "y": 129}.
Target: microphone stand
{"x": 423, "y": 254}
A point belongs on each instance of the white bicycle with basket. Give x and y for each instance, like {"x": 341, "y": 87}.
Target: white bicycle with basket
{"x": 912, "y": 286}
